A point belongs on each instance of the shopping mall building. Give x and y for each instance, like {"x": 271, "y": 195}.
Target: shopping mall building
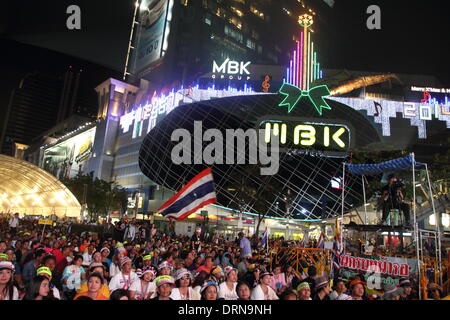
{"x": 235, "y": 83}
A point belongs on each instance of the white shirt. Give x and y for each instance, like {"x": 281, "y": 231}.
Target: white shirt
{"x": 87, "y": 259}
{"x": 113, "y": 269}
{"x": 226, "y": 293}
{"x": 258, "y": 294}
{"x": 15, "y": 294}
{"x": 140, "y": 293}
{"x": 193, "y": 294}
{"x": 13, "y": 222}
{"x": 120, "y": 281}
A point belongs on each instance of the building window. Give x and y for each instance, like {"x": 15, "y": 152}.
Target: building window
{"x": 185, "y": 2}
{"x": 445, "y": 220}
{"x": 207, "y": 21}
{"x": 257, "y": 12}
{"x": 234, "y": 34}
{"x": 432, "y": 220}
{"x": 236, "y": 23}
{"x": 238, "y": 12}
{"x": 251, "y": 44}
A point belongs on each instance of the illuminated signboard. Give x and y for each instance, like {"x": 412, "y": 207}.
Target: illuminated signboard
{"x": 430, "y": 89}
{"x": 301, "y": 135}
{"x": 153, "y": 32}
{"x": 231, "y": 70}
{"x": 68, "y": 158}
{"x": 162, "y": 105}
{"x": 417, "y": 113}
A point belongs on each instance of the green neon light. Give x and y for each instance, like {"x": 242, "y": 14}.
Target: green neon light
{"x": 293, "y": 95}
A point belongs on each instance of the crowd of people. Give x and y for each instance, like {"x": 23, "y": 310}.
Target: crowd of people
{"x": 144, "y": 264}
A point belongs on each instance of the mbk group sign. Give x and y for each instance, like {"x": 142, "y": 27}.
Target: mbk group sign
{"x": 232, "y": 70}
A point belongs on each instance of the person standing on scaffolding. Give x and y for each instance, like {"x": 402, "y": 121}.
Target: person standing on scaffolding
{"x": 392, "y": 198}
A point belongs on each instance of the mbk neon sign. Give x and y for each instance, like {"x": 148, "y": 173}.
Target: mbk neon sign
{"x": 232, "y": 69}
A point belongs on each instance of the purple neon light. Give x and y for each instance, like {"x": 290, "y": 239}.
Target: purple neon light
{"x": 295, "y": 68}
{"x": 291, "y": 78}
{"x": 299, "y": 62}
{"x": 301, "y": 58}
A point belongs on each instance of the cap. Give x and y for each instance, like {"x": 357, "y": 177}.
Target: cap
{"x": 228, "y": 270}
{"x": 355, "y": 282}
{"x": 7, "y": 265}
{"x": 165, "y": 264}
{"x": 217, "y": 270}
{"x": 405, "y": 283}
{"x": 198, "y": 229}
{"x": 303, "y": 285}
{"x": 4, "y": 256}
{"x": 182, "y": 273}
{"x": 208, "y": 284}
{"x": 147, "y": 257}
{"x": 104, "y": 249}
{"x": 149, "y": 270}
{"x": 124, "y": 260}
{"x": 164, "y": 280}
{"x": 96, "y": 265}
{"x": 265, "y": 273}
{"x": 44, "y": 270}
{"x": 139, "y": 272}
{"x": 321, "y": 282}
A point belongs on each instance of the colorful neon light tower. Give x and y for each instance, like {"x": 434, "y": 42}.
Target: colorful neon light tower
{"x": 306, "y": 21}
{"x": 304, "y": 67}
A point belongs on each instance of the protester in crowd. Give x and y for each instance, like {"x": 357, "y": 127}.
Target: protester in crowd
{"x": 244, "y": 244}
{"x": 292, "y": 277}
{"x": 7, "y": 289}
{"x": 39, "y": 289}
{"x": 278, "y": 282}
{"x": 391, "y": 292}
{"x": 243, "y": 290}
{"x": 146, "y": 287}
{"x": 120, "y": 294}
{"x": 125, "y": 279}
{"x": 164, "y": 285}
{"x": 434, "y": 291}
{"x": 98, "y": 268}
{"x": 46, "y": 272}
{"x": 263, "y": 291}
{"x": 217, "y": 274}
{"x": 208, "y": 266}
{"x": 210, "y": 291}
{"x": 339, "y": 290}
{"x": 227, "y": 289}
{"x": 165, "y": 269}
{"x": 95, "y": 281}
{"x": 407, "y": 289}
{"x": 29, "y": 270}
{"x": 357, "y": 288}
{"x": 289, "y": 295}
{"x": 72, "y": 277}
{"x": 183, "y": 290}
{"x": 322, "y": 289}
{"x": 13, "y": 224}
{"x": 304, "y": 291}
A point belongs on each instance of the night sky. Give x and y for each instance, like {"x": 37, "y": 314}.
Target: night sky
{"x": 414, "y": 36}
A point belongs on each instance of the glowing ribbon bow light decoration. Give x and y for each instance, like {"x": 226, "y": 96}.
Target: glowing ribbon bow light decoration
{"x": 293, "y": 95}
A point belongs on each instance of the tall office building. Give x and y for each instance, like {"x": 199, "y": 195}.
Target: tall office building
{"x": 177, "y": 41}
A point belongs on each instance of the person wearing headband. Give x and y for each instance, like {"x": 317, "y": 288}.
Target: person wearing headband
{"x": 183, "y": 290}
{"x": 164, "y": 285}
{"x": 263, "y": 291}
{"x": 46, "y": 272}
{"x": 227, "y": 289}
{"x": 146, "y": 287}
{"x": 125, "y": 279}
{"x": 210, "y": 290}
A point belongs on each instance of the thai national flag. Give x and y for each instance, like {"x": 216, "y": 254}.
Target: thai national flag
{"x": 320, "y": 243}
{"x": 337, "y": 250}
{"x": 198, "y": 193}
{"x": 265, "y": 238}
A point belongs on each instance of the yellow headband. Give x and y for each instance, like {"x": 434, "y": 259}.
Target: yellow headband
{"x": 45, "y": 270}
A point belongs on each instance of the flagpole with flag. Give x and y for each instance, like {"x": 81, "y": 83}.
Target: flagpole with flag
{"x": 196, "y": 194}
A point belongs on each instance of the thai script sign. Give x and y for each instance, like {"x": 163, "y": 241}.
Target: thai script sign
{"x": 378, "y": 269}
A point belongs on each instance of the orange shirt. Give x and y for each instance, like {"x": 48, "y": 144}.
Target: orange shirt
{"x": 85, "y": 294}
